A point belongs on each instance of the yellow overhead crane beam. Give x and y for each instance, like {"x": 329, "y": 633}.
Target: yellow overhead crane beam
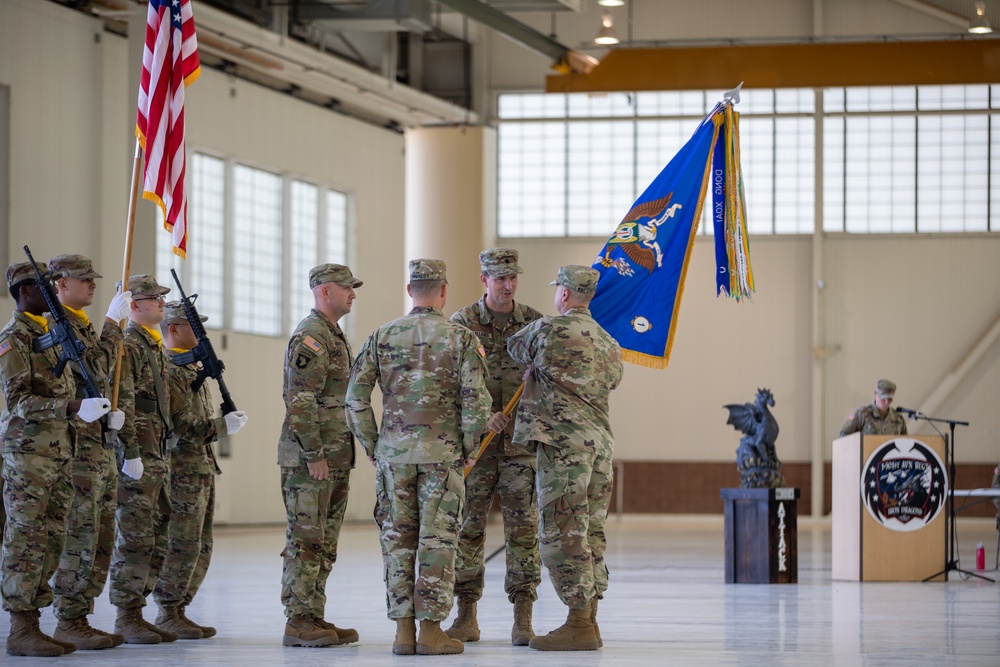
{"x": 788, "y": 66}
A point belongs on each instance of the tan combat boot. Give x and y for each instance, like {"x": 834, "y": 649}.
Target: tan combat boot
{"x": 129, "y": 624}
{"x": 593, "y": 618}
{"x": 26, "y": 637}
{"x": 78, "y": 632}
{"x": 406, "y": 637}
{"x": 433, "y": 640}
{"x": 522, "y": 633}
{"x": 206, "y": 630}
{"x": 344, "y": 635}
{"x": 67, "y": 647}
{"x": 303, "y": 631}
{"x": 576, "y": 634}
{"x": 465, "y": 628}
{"x": 169, "y": 621}
{"x": 116, "y": 639}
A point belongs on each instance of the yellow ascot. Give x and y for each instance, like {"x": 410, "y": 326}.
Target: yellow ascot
{"x": 82, "y": 316}
{"x": 154, "y": 334}
{"x": 39, "y": 320}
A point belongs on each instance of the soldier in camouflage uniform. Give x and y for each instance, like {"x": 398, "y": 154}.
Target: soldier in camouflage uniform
{"x": 876, "y": 418}
{"x": 316, "y": 454}
{"x": 573, "y": 367}
{"x": 90, "y": 529}
{"x": 143, "y": 493}
{"x": 505, "y": 470}
{"x": 38, "y": 448}
{"x": 192, "y": 479}
{"x": 435, "y": 405}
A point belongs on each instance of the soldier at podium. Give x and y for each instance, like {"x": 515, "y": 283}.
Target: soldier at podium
{"x": 876, "y": 418}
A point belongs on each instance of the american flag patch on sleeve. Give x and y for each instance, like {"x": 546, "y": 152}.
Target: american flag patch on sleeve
{"x": 4, "y": 347}
{"x": 312, "y": 344}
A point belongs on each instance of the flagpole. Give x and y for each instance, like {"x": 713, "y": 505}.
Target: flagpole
{"x": 127, "y": 260}
{"x": 509, "y": 408}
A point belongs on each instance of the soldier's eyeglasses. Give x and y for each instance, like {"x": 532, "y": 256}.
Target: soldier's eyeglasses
{"x": 161, "y": 298}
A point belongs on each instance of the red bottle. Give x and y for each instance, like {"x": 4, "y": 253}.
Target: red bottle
{"x": 980, "y": 557}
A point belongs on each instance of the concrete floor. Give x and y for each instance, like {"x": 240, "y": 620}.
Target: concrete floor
{"x": 667, "y": 604}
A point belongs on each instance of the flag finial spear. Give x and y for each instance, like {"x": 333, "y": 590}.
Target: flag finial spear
{"x": 733, "y": 95}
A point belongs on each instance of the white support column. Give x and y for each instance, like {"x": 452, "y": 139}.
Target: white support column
{"x": 446, "y": 170}
{"x": 818, "y": 334}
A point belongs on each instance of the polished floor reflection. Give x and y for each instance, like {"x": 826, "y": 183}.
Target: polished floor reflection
{"x": 667, "y": 605}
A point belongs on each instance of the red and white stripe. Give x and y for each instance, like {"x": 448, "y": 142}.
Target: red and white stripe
{"x": 169, "y": 64}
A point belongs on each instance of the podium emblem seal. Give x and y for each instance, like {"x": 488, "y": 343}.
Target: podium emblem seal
{"x": 904, "y": 485}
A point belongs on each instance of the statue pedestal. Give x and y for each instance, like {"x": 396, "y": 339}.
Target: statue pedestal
{"x": 761, "y": 536}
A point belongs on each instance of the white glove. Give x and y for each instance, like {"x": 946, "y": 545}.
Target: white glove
{"x": 235, "y": 421}
{"x": 119, "y": 306}
{"x": 92, "y": 409}
{"x": 133, "y": 468}
{"x": 116, "y": 419}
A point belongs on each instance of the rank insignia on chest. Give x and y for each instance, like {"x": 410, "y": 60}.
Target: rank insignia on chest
{"x": 312, "y": 344}
{"x": 4, "y": 347}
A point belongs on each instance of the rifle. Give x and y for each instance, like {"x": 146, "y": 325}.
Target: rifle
{"x": 211, "y": 365}
{"x": 61, "y": 333}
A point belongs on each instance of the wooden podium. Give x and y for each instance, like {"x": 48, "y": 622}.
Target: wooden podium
{"x": 889, "y": 501}
{"x": 761, "y": 535}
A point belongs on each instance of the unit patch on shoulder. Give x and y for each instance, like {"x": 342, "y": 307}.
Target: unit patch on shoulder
{"x": 312, "y": 344}
{"x": 303, "y": 359}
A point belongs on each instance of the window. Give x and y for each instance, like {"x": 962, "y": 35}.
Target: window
{"x": 896, "y": 159}
{"x": 280, "y": 228}
{"x": 257, "y": 251}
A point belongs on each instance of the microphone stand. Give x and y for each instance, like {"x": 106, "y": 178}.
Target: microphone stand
{"x": 951, "y": 531}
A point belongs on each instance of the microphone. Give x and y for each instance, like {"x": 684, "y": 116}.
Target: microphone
{"x": 912, "y": 414}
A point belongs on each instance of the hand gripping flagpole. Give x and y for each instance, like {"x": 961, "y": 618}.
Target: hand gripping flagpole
{"x": 509, "y": 408}
{"x": 127, "y": 261}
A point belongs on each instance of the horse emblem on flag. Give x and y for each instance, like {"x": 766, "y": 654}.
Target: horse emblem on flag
{"x": 636, "y": 234}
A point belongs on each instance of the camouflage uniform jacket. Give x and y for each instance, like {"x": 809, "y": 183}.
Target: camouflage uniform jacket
{"x": 100, "y": 353}
{"x": 192, "y": 420}
{"x": 35, "y": 418}
{"x": 575, "y": 366}
{"x": 317, "y": 366}
{"x": 505, "y": 374}
{"x": 147, "y": 416}
{"x": 869, "y": 421}
{"x": 432, "y": 376}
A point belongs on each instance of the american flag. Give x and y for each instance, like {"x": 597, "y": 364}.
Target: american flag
{"x": 169, "y": 64}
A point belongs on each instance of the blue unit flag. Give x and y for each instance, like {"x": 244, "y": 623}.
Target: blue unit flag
{"x": 644, "y": 263}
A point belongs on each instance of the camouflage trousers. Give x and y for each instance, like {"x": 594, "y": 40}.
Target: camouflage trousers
{"x": 314, "y": 510}
{"x": 90, "y": 531}
{"x": 418, "y": 510}
{"x": 36, "y": 497}
{"x": 189, "y": 538}
{"x": 574, "y": 491}
{"x": 142, "y": 523}
{"x": 512, "y": 479}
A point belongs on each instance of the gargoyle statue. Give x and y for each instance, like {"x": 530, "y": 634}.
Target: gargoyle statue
{"x": 756, "y": 461}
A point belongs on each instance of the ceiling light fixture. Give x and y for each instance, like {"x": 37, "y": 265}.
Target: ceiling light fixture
{"x": 611, "y": 3}
{"x": 606, "y": 36}
{"x": 979, "y": 25}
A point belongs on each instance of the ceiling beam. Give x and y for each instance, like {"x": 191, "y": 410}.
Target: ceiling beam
{"x": 789, "y": 66}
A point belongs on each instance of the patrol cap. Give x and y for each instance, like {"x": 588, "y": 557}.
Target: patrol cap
{"x": 582, "y": 279}
{"x": 885, "y": 389}
{"x": 499, "y": 262}
{"x": 173, "y": 313}
{"x": 332, "y": 273}
{"x": 144, "y": 284}
{"x": 427, "y": 269}
{"x": 19, "y": 272}
{"x": 72, "y": 266}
